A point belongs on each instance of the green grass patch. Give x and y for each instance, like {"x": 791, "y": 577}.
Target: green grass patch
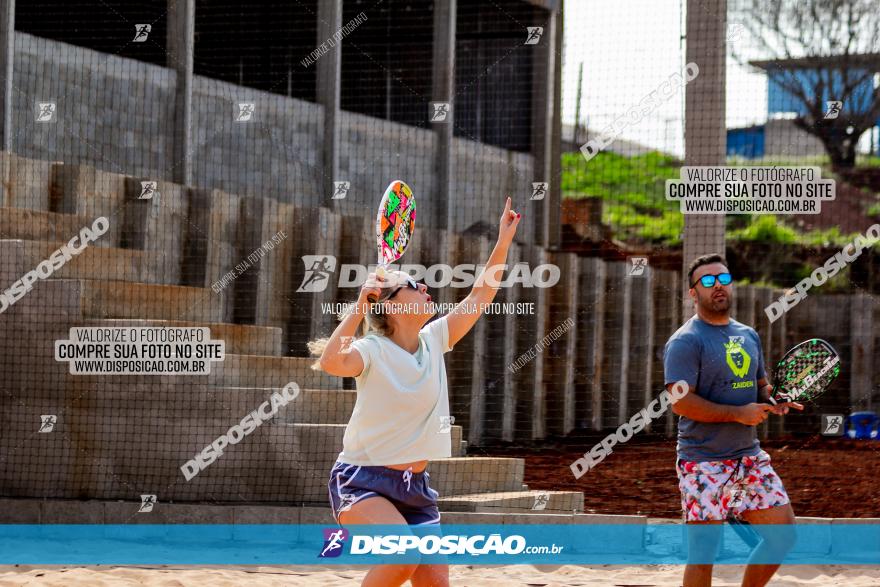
{"x": 635, "y": 207}
{"x": 633, "y": 192}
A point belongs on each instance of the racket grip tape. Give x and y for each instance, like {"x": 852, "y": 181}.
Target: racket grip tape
{"x": 380, "y": 272}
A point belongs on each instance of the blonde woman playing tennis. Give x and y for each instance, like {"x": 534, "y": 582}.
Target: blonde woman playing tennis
{"x": 401, "y": 417}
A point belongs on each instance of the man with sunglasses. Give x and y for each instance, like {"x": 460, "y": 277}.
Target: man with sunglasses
{"x": 722, "y": 470}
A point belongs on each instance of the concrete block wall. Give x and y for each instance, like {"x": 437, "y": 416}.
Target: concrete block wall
{"x": 116, "y": 115}
{"x": 113, "y": 112}
{"x": 134, "y": 275}
{"x": 547, "y": 397}
{"x": 374, "y": 152}
{"x": 590, "y": 329}
{"x": 117, "y": 437}
{"x": 276, "y": 153}
{"x": 483, "y": 176}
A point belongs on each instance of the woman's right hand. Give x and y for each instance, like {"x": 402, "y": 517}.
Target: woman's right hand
{"x": 371, "y": 289}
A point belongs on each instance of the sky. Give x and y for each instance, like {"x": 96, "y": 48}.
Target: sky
{"x": 628, "y": 48}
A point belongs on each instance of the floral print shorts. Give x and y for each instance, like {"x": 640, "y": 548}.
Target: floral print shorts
{"x": 712, "y": 490}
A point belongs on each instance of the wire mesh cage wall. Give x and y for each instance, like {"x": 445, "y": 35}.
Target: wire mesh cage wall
{"x": 177, "y": 198}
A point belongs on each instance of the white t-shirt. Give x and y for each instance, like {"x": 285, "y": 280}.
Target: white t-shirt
{"x": 402, "y": 410}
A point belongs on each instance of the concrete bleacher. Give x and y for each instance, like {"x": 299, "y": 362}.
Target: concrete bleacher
{"x": 118, "y": 437}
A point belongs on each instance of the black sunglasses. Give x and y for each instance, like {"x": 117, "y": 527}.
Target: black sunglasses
{"x": 709, "y": 280}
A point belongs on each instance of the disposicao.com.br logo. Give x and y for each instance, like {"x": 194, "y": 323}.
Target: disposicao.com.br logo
{"x": 320, "y": 268}
{"x": 334, "y": 542}
{"x": 431, "y": 544}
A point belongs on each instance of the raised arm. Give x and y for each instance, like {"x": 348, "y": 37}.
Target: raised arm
{"x": 468, "y": 311}
{"x": 338, "y": 358}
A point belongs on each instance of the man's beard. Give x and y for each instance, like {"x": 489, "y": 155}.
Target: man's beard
{"x": 717, "y": 305}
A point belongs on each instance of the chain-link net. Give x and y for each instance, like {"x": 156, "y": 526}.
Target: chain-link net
{"x": 189, "y": 196}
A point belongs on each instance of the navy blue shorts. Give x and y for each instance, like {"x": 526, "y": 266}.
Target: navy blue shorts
{"x": 408, "y": 491}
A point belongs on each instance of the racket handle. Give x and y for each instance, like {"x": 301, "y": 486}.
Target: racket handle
{"x": 380, "y": 273}
{"x": 745, "y": 531}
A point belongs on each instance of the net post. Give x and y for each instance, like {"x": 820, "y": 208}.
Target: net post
{"x": 328, "y": 94}
{"x": 7, "y": 57}
{"x": 554, "y": 210}
{"x": 862, "y": 321}
{"x": 705, "y": 128}
{"x": 443, "y": 90}
{"x": 542, "y": 125}
{"x": 181, "y": 48}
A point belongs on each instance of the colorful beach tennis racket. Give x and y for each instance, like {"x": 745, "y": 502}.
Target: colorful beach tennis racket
{"x": 395, "y": 224}
{"x": 805, "y": 372}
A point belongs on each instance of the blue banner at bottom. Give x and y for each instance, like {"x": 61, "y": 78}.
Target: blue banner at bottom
{"x": 577, "y": 544}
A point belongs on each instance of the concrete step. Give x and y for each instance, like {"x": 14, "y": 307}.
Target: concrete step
{"x": 465, "y": 475}
{"x": 55, "y": 511}
{"x": 26, "y": 183}
{"x": 36, "y": 225}
{"x": 560, "y": 502}
{"x": 312, "y": 406}
{"x": 275, "y": 462}
{"x": 120, "y": 299}
{"x": 35, "y": 343}
{"x": 320, "y": 406}
{"x": 242, "y": 339}
{"x": 191, "y": 404}
{"x": 317, "y": 514}
{"x": 145, "y": 433}
{"x": 102, "y": 263}
{"x": 272, "y": 372}
{"x": 456, "y": 475}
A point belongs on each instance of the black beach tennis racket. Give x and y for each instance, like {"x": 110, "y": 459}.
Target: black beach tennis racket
{"x": 802, "y": 375}
{"x": 805, "y": 372}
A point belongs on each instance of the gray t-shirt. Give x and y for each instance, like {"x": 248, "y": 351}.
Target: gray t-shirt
{"x": 723, "y": 364}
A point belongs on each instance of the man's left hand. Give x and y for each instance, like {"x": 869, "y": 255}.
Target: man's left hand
{"x": 781, "y": 409}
